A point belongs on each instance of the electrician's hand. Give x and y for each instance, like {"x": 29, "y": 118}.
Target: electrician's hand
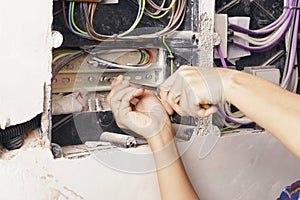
{"x": 189, "y": 89}
{"x": 147, "y": 117}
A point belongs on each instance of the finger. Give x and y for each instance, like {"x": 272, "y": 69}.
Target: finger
{"x": 116, "y": 99}
{"x": 128, "y": 96}
{"x": 207, "y": 112}
{"x": 119, "y": 85}
{"x": 170, "y": 81}
{"x": 170, "y": 102}
{"x": 188, "y": 104}
{"x": 167, "y": 107}
{"x": 210, "y": 111}
{"x": 117, "y": 80}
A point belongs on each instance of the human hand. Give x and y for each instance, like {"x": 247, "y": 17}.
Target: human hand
{"x": 147, "y": 118}
{"x": 189, "y": 88}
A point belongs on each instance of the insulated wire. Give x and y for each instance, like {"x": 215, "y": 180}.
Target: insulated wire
{"x": 262, "y": 41}
{"x": 176, "y": 18}
{"x": 142, "y": 6}
{"x": 221, "y": 56}
{"x": 293, "y": 48}
{"x": 143, "y": 64}
{"x": 159, "y": 16}
{"x": 170, "y": 54}
{"x": 242, "y": 120}
{"x": 271, "y": 27}
{"x": 73, "y": 21}
{"x": 70, "y": 23}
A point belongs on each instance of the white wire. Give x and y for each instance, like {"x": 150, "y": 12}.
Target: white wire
{"x": 296, "y": 79}
{"x": 262, "y": 41}
{"x": 237, "y": 114}
{"x": 60, "y": 56}
{"x": 119, "y": 66}
{"x": 240, "y": 119}
{"x": 231, "y": 125}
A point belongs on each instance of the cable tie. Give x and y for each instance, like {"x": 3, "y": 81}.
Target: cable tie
{"x": 292, "y": 7}
{"x": 170, "y": 57}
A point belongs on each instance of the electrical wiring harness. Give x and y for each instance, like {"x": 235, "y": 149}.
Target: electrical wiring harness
{"x": 287, "y": 23}
{"x": 174, "y": 10}
{"x": 64, "y": 56}
{"x": 262, "y": 40}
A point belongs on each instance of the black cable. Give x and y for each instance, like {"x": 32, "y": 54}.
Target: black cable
{"x": 11, "y": 137}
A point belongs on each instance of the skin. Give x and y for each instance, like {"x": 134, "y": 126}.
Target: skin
{"x": 270, "y": 106}
{"x": 187, "y": 92}
{"x": 145, "y": 118}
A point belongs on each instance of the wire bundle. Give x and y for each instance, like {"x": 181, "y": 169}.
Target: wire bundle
{"x": 63, "y": 57}
{"x": 175, "y": 11}
{"x": 144, "y": 63}
{"x": 275, "y": 31}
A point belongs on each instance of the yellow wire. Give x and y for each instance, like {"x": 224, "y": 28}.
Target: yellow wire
{"x": 170, "y": 54}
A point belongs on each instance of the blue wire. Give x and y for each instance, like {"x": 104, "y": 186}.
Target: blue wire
{"x": 70, "y": 23}
{"x": 64, "y": 59}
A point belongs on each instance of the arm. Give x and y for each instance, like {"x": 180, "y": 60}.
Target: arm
{"x": 149, "y": 119}
{"x": 273, "y": 108}
{"x": 270, "y": 106}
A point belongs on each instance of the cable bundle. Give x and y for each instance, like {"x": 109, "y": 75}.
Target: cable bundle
{"x": 276, "y": 31}
{"x": 144, "y": 63}
{"x": 175, "y": 11}
{"x": 65, "y": 56}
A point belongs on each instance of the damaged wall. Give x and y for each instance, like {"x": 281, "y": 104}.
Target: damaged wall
{"x": 25, "y": 59}
{"x": 243, "y": 166}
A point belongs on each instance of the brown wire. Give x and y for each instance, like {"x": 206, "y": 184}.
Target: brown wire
{"x": 177, "y": 15}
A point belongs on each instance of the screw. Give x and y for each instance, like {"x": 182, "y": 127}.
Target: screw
{"x": 148, "y": 76}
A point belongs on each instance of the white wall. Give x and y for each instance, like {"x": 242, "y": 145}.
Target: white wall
{"x": 25, "y": 56}
{"x": 241, "y": 167}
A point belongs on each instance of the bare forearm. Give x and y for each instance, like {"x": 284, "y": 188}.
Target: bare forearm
{"x": 273, "y": 108}
{"x": 173, "y": 181}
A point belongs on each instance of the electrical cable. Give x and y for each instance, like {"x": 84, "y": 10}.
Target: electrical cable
{"x": 279, "y": 27}
{"x": 221, "y": 57}
{"x": 56, "y": 67}
{"x": 144, "y": 63}
{"x": 236, "y": 118}
{"x": 72, "y": 4}
{"x": 175, "y": 11}
{"x": 170, "y": 56}
{"x": 71, "y": 22}
{"x": 271, "y": 27}
{"x": 265, "y": 47}
{"x": 293, "y": 47}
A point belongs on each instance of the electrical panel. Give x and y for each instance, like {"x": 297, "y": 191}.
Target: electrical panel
{"x": 147, "y": 41}
{"x": 143, "y": 40}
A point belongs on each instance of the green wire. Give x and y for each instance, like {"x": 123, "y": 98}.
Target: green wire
{"x": 146, "y": 57}
{"x": 158, "y": 17}
{"x": 136, "y": 22}
{"x": 73, "y": 21}
{"x": 226, "y": 128}
{"x": 170, "y": 54}
{"x": 63, "y": 52}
